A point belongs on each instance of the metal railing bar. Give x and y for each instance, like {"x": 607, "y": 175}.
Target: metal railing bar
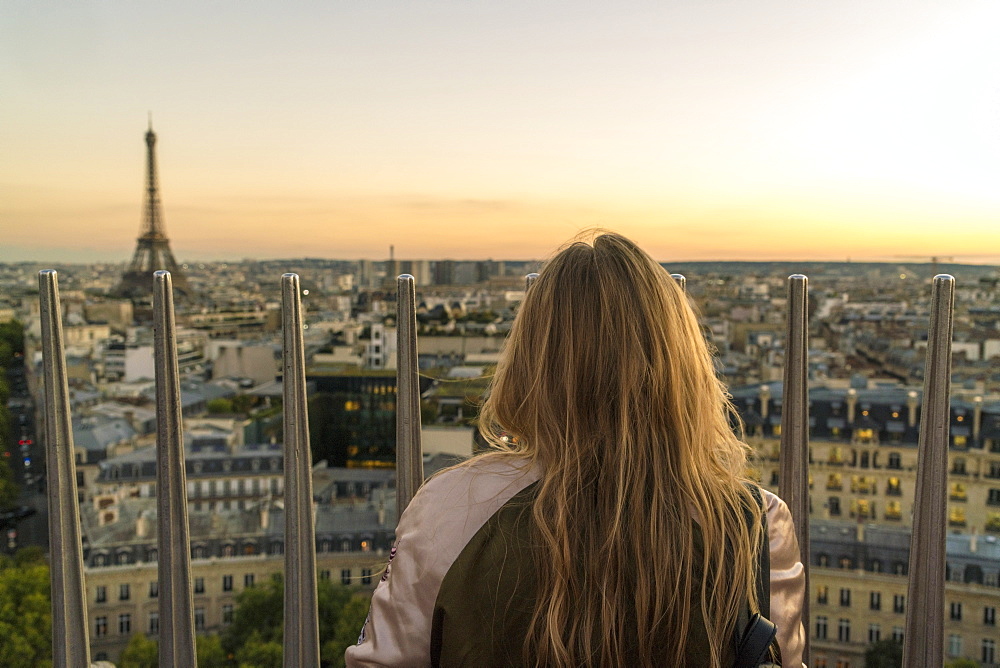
{"x": 682, "y": 281}
{"x": 529, "y": 280}
{"x": 794, "y": 458}
{"x": 409, "y": 453}
{"x": 70, "y": 645}
{"x": 177, "y": 647}
{"x": 301, "y": 637}
{"x": 923, "y": 644}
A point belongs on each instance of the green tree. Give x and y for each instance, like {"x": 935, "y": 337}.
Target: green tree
{"x": 32, "y": 555}
{"x": 243, "y": 403}
{"x": 9, "y": 490}
{"x": 12, "y": 333}
{"x": 962, "y": 663}
{"x": 258, "y": 611}
{"x": 210, "y": 652}
{"x": 259, "y": 615}
{"x": 219, "y": 406}
{"x": 141, "y": 652}
{"x": 352, "y": 619}
{"x": 5, "y": 419}
{"x": 428, "y": 412}
{"x": 258, "y": 653}
{"x": 25, "y": 613}
{"x": 11, "y": 345}
{"x": 884, "y": 654}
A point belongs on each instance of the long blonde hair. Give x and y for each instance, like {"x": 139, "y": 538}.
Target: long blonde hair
{"x": 607, "y": 384}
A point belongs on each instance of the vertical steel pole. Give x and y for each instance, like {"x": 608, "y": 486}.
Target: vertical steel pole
{"x": 529, "y": 280}
{"x": 70, "y": 646}
{"x": 301, "y": 639}
{"x": 923, "y": 644}
{"x": 794, "y": 464}
{"x": 682, "y": 281}
{"x": 409, "y": 454}
{"x": 177, "y": 646}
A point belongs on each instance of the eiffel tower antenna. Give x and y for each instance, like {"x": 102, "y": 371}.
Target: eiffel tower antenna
{"x": 152, "y": 251}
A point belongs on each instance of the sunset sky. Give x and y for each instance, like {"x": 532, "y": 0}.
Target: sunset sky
{"x": 704, "y": 129}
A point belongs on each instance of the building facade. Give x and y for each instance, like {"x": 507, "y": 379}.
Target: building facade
{"x": 862, "y": 472}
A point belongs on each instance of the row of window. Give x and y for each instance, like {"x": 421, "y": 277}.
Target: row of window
{"x": 153, "y": 626}
{"x": 347, "y": 579}
{"x": 874, "y": 565}
{"x": 125, "y": 592}
{"x": 894, "y": 434}
{"x": 865, "y": 508}
{"x": 874, "y": 599}
{"x": 124, "y": 589}
{"x": 118, "y": 471}
{"x": 230, "y": 550}
{"x": 844, "y": 630}
{"x": 988, "y": 646}
{"x": 865, "y": 484}
{"x": 228, "y": 487}
{"x": 836, "y": 457}
{"x": 989, "y": 613}
{"x": 899, "y": 604}
{"x": 968, "y": 573}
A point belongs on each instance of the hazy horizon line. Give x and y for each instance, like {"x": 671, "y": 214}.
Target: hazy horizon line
{"x": 983, "y": 261}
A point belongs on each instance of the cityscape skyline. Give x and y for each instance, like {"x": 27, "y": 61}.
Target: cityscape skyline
{"x": 772, "y": 132}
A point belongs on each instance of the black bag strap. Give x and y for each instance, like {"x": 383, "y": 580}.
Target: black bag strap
{"x": 756, "y": 640}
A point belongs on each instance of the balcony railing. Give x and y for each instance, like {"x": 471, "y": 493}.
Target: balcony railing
{"x": 177, "y": 625}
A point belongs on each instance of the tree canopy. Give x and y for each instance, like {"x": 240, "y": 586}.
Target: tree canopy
{"x": 11, "y": 341}
{"x": 352, "y": 618}
{"x": 144, "y": 652}
{"x": 884, "y": 654}
{"x": 962, "y": 663}
{"x": 253, "y": 640}
{"x": 256, "y": 634}
{"x": 9, "y": 491}
{"x": 25, "y": 611}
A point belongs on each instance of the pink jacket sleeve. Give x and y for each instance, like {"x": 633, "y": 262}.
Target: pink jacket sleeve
{"x": 443, "y": 516}
{"x": 398, "y": 628}
{"x": 788, "y": 582}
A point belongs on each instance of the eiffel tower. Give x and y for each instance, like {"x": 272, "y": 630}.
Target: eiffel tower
{"x": 152, "y": 252}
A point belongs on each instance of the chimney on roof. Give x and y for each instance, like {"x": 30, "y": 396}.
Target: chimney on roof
{"x": 973, "y": 540}
{"x": 765, "y": 397}
{"x": 142, "y": 525}
{"x": 977, "y": 417}
{"x": 852, "y": 403}
{"x": 911, "y": 404}
{"x": 265, "y": 513}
